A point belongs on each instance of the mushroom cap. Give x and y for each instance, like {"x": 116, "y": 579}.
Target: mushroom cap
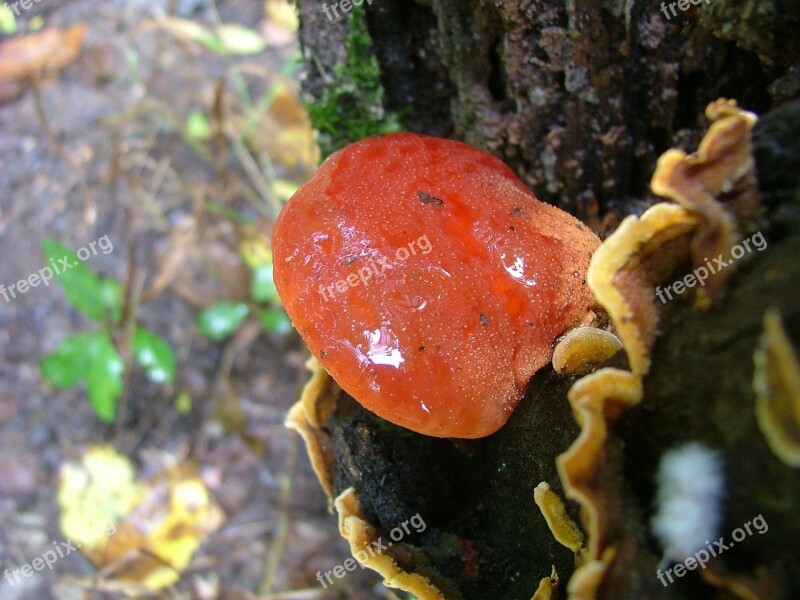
{"x": 429, "y": 281}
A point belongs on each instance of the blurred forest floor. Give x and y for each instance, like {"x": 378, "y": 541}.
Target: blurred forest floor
{"x": 178, "y": 151}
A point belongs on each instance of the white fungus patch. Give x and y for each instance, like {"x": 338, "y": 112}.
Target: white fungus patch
{"x": 691, "y": 487}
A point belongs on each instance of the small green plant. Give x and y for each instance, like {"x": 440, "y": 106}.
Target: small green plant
{"x": 93, "y": 356}
{"x": 221, "y": 319}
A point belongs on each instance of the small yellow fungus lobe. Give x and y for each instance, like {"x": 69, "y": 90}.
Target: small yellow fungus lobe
{"x": 777, "y": 385}
{"x": 717, "y": 184}
{"x": 548, "y": 587}
{"x": 583, "y": 349}
{"x": 563, "y": 528}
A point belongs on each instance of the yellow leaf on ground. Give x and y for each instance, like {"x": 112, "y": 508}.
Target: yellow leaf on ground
{"x": 94, "y": 495}
{"x": 282, "y": 13}
{"x": 255, "y": 250}
{"x": 150, "y": 529}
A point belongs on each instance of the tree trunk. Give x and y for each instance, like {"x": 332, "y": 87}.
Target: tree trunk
{"x": 580, "y": 99}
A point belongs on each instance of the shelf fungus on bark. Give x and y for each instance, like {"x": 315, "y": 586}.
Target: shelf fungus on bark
{"x": 596, "y": 401}
{"x": 776, "y": 382}
{"x": 717, "y": 184}
{"x": 623, "y": 275}
{"x": 308, "y": 417}
{"x": 627, "y": 266}
{"x": 402, "y": 566}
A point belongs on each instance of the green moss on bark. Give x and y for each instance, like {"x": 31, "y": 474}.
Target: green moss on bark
{"x": 352, "y": 105}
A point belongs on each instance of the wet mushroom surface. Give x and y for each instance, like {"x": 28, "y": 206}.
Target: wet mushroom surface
{"x": 429, "y": 281}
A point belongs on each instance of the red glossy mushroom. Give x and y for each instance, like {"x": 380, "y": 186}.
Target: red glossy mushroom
{"x": 429, "y": 281}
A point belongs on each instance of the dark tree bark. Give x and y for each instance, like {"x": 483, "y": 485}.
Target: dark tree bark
{"x": 579, "y": 98}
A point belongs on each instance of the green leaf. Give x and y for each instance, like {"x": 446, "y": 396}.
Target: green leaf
{"x": 237, "y": 39}
{"x": 154, "y": 354}
{"x": 262, "y": 285}
{"x": 220, "y": 320}
{"x": 196, "y": 32}
{"x": 111, "y": 293}
{"x": 66, "y": 366}
{"x": 104, "y": 377}
{"x": 275, "y": 320}
{"x": 8, "y": 22}
{"x": 183, "y": 403}
{"x": 83, "y": 288}
{"x": 197, "y": 126}
{"x": 93, "y": 357}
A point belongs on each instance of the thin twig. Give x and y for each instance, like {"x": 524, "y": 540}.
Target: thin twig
{"x": 134, "y": 286}
{"x": 278, "y": 545}
{"x": 273, "y": 206}
{"x": 57, "y": 144}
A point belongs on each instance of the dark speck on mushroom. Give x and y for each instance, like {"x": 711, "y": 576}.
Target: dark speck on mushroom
{"x": 427, "y": 199}
{"x": 484, "y": 319}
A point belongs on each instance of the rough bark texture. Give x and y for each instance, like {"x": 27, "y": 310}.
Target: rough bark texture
{"x": 484, "y": 533}
{"x": 578, "y": 97}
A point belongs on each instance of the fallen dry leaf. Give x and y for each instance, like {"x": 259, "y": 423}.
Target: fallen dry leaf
{"x": 48, "y": 51}
{"x": 280, "y": 26}
{"x": 285, "y": 135}
{"x": 282, "y": 13}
